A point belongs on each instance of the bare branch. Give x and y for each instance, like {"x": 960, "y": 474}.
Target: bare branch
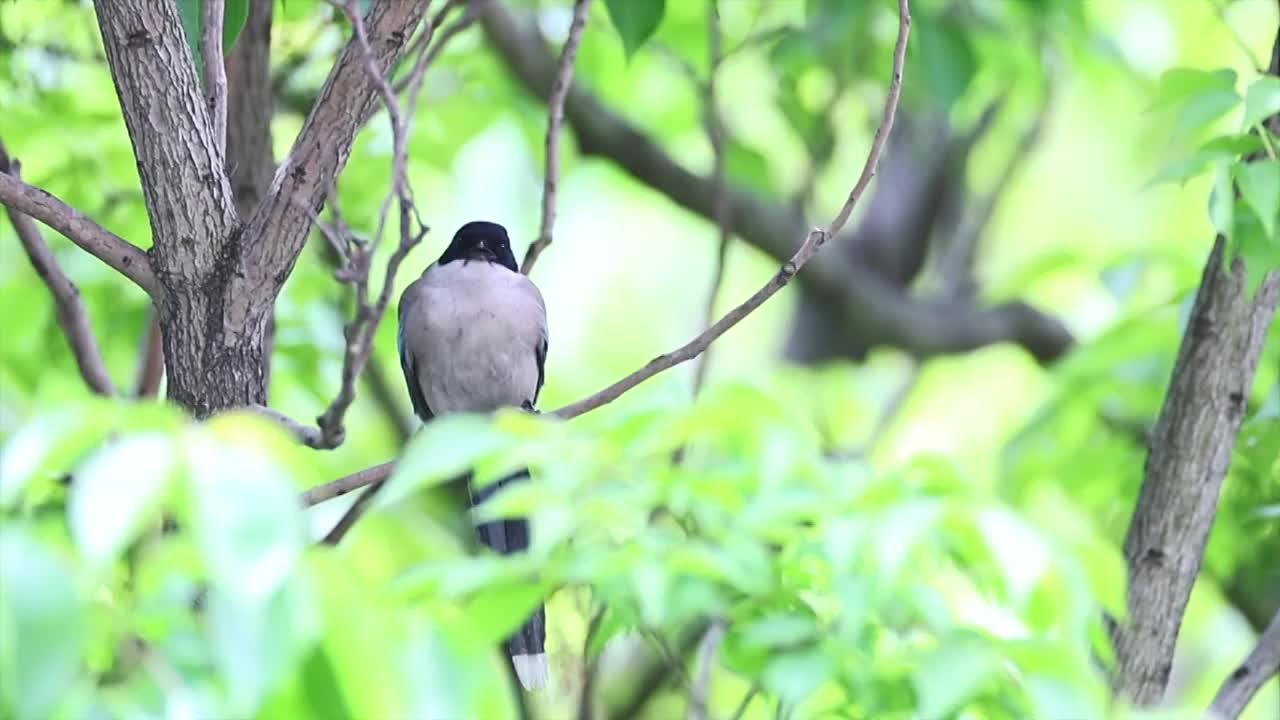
{"x": 698, "y": 703}
{"x": 1262, "y": 664}
{"x": 305, "y": 434}
{"x": 555, "y": 116}
{"x": 347, "y": 483}
{"x": 278, "y": 229}
{"x": 151, "y": 360}
{"x": 1190, "y": 452}
{"x": 215, "y": 76}
{"x": 71, "y": 312}
{"x": 586, "y": 701}
{"x": 250, "y": 162}
{"x": 812, "y": 243}
{"x": 360, "y": 331}
{"x": 126, "y": 258}
{"x": 866, "y": 306}
{"x": 714, "y": 125}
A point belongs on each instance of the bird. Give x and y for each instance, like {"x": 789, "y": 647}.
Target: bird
{"x": 473, "y": 338}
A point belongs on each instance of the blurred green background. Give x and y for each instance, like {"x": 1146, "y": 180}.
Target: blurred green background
{"x": 1080, "y": 233}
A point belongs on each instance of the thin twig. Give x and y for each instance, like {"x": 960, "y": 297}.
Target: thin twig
{"x": 746, "y": 702}
{"x": 124, "y": 257}
{"x": 698, "y": 704}
{"x": 714, "y": 125}
{"x": 1221, "y": 12}
{"x": 344, "y": 485}
{"x": 70, "y": 307}
{"x": 586, "y": 701}
{"x": 1262, "y": 664}
{"x": 151, "y": 360}
{"x": 555, "y": 117}
{"x": 360, "y": 331}
{"x": 812, "y": 243}
{"x": 215, "y": 75}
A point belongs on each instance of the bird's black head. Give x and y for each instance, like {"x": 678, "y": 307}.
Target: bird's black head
{"x": 481, "y": 240}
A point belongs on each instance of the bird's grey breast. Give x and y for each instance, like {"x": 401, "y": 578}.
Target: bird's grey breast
{"x": 480, "y": 326}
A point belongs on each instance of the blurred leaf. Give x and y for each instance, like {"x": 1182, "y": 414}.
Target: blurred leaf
{"x": 749, "y": 167}
{"x": 245, "y": 514}
{"x": 944, "y": 57}
{"x": 1179, "y": 85}
{"x": 795, "y": 676}
{"x": 1222, "y": 200}
{"x": 954, "y": 672}
{"x": 42, "y": 627}
{"x": 116, "y": 490}
{"x": 1260, "y": 185}
{"x": 635, "y": 20}
{"x": 1225, "y": 147}
{"x": 1261, "y": 100}
{"x": 443, "y": 449}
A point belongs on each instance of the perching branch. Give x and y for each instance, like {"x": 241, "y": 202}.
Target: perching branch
{"x": 813, "y": 241}
{"x": 215, "y": 76}
{"x": 126, "y": 258}
{"x": 808, "y": 248}
{"x": 555, "y": 116}
{"x": 865, "y": 305}
{"x": 71, "y": 312}
{"x": 1262, "y": 664}
{"x": 1190, "y": 452}
{"x": 699, "y": 708}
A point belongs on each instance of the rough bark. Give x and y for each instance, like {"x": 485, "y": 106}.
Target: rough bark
{"x": 218, "y": 279}
{"x": 1190, "y": 452}
{"x": 249, "y": 108}
{"x": 1262, "y": 664}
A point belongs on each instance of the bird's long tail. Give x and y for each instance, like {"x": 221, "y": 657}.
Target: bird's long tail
{"x": 527, "y": 645}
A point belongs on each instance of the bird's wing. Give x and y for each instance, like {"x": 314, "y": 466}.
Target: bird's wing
{"x": 408, "y": 305}
{"x": 539, "y": 350}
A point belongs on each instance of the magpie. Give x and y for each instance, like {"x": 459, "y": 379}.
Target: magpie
{"x": 473, "y": 338}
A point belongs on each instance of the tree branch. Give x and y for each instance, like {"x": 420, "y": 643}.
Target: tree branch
{"x": 1262, "y": 664}
{"x": 121, "y": 255}
{"x": 188, "y": 195}
{"x": 249, "y": 103}
{"x": 1191, "y": 450}
{"x": 555, "y": 116}
{"x": 812, "y": 243}
{"x": 71, "y": 313}
{"x": 215, "y": 76}
{"x": 278, "y": 228}
{"x": 151, "y": 360}
{"x": 699, "y": 707}
{"x": 808, "y": 248}
{"x": 875, "y": 312}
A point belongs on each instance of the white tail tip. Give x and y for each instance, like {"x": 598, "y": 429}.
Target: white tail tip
{"x": 532, "y": 670}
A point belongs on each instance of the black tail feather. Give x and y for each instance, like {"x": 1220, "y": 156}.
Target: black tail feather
{"x": 508, "y": 536}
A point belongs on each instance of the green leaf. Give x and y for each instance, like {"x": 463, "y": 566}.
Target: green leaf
{"x": 1222, "y": 200}
{"x": 953, "y": 673}
{"x": 191, "y": 12}
{"x": 443, "y": 449}
{"x": 1260, "y": 185}
{"x": 945, "y": 57}
{"x": 245, "y": 513}
{"x": 795, "y": 676}
{"x": 636, "y": 21}
{"x": 115, "y": 490}
{"x": 1261, "y": 100}
{"x": 42, "y": 628}
{"x": 748, "y": 166}
{"x": 1179, "y": 85}
{"x": 1226, "y": 147}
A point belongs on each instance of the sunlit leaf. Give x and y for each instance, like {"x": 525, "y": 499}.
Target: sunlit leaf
{"x": 42, "y": 627}
{"x": 116, "y": 490}
{"x": 1261, "y": 100}
{"x": 442, "y": 450}
{"x": 954, "y": 673}
{"x": 1260, "y": 185}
